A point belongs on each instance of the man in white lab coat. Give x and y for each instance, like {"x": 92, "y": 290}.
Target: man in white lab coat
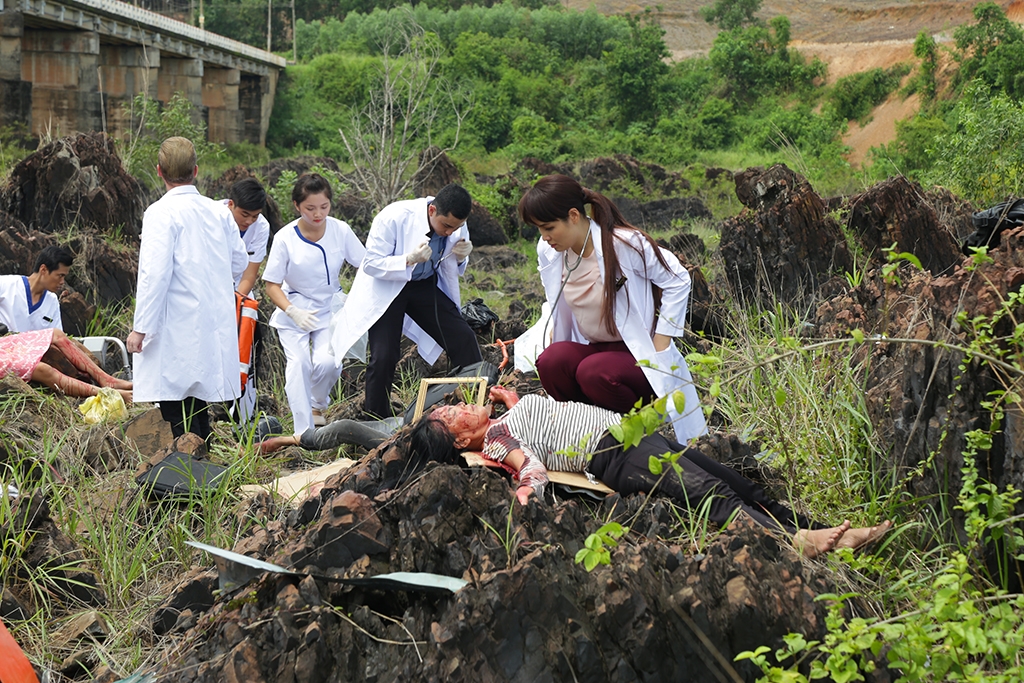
{"x": 184, "y": 336}
{"x": 409, "y": 281}
{"x": 29, "y": 302}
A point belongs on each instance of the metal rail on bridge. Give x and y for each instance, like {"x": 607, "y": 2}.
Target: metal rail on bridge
{"x": 142, "y": 26}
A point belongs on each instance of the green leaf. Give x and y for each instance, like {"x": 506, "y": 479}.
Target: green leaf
{"x": 591, "y": 561}
{"x": 716, "y": 389}
{"x": 581, "y": 554}
{"x": 780, "y": 397}
{"x": 858, "y": 335}
{"x": 679, "y": 401}
{"x": 654, "y": 465}
{"x": 616, "y": 431}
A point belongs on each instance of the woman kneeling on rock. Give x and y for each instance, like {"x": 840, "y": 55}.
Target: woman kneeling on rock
{"x": 536, "y": 433}
{"x": 617, "y": 301}
{"x": 21, "y": 354}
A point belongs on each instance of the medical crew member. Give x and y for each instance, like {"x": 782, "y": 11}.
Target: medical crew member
{"x": 29, "y": 302}
{"x": 301, "y": 278}
{"x": 184, "y": 336}
{"x": 409, "y": 281}
{"x": 246, "y": 201}
{"x": 245, "y": 204}
{"x": 598, "y": 275}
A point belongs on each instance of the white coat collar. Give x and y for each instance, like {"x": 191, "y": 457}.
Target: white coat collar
{"x": 182, "y": 189}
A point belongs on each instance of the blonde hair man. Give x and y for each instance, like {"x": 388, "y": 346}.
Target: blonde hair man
{"x": 184, "y": 337}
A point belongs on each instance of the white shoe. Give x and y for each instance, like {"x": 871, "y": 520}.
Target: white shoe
{"x": 318, "y": 418}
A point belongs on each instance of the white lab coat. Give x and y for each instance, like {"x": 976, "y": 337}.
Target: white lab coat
{"x": 634, "y": 316}
{"x": 184, "y": 301}
{"x": 17, "y": 312}
{"x": 398, "y": 229}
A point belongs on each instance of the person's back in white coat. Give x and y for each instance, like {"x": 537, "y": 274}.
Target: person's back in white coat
{"x": 184, "y": 334}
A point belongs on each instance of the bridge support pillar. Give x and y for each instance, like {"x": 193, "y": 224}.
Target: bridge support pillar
{"x": 15, "y": 94}
{"x": 220, "y": 97}
{"x": 180, "y": 75}
{"x": 126, "y": 72}
{"x": 63, "y": 67}
{"x": 256, "y": 101}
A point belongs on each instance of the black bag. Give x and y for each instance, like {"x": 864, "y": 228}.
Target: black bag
{"x": 437, "y": 392}
{"x": 479, "y": 316}
{"x": 988, "y": 224}
{"x": 180, "y": 474}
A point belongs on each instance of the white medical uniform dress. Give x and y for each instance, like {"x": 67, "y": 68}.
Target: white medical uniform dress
{"x": 17, "y": 311}
{"x": 185, "y": 302}
{"x": 308, "y": 274}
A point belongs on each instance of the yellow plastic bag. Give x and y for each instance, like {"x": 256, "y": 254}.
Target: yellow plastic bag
{"x": 105, "y": 405}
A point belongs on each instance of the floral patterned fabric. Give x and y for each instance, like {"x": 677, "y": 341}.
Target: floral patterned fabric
{"x": 21, "y": 353}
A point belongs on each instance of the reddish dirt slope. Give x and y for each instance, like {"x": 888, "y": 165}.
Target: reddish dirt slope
{"x": 848, "y": 35}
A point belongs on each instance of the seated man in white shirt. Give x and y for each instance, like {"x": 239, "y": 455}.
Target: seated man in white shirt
{"x": 29, "y": 302}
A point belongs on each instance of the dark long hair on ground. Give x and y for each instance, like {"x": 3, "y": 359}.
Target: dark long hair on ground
{"x": 426, "y": 441}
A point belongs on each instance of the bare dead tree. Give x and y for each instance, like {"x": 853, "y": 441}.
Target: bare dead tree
{"x": 385, "y": 138}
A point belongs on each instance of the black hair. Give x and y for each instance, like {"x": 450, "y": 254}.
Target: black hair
{"x": 454, "y": 200}
{"x": 429, "y": 440}
{"x": 248, "y": 194}
{"x": 309, "y": 184}
{"x": 53, "y": 257}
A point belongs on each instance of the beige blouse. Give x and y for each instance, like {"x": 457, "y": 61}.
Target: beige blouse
{"x": 585, "y": 296}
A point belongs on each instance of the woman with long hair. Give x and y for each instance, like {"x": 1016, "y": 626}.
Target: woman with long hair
{"x": 617, "y": 302}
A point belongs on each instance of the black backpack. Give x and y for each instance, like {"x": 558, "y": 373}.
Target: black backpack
{"x": 988, "y": 224}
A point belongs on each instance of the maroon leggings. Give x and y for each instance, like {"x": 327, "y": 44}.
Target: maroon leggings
{"x": 603, "y": 374}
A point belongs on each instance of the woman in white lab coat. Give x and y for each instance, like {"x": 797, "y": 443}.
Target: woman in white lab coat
{"x": 301, "y": 277}
{"x": 609, "y": 343}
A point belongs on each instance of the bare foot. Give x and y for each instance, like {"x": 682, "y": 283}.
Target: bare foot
{"x": 126, "y": 394}
{"x": 121, "y": 384}
{"x": 814, "y": 542}
{"x": 862, "y": 537}
{"x": 276, "y": 443}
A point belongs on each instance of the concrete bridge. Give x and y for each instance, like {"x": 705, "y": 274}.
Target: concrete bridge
{"x": 71, "y": 65}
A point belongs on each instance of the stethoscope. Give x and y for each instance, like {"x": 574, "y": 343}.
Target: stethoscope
{"x": 568, "y": 273}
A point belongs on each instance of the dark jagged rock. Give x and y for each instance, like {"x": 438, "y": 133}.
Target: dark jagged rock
{"x": 539, "y": 167}
{"x": 529, "y": 613}
{"x": 897, "y": 211}
{"x": 484, "y": 230}
{"x": 435, "y": 171}
{"x": 689, "y": 245}
{"x": 610, "y": 175}
{"x": 662, "y": 214}
{"x": 193, "y": 593}
{"x": 919, "y": 400}
{"x": 355, "y": 210}
{"x": 76, "y": 180}
{"x": 298, "y": 165}
{"x": 494, "y": 258}
{"x": 786, "y": 244}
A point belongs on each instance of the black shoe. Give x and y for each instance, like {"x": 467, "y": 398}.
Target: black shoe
{"x": 267, "y": 426}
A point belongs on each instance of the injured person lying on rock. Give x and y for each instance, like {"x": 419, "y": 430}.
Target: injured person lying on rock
{"x": 537, "y": 433}
{"x": 23, "y": 354}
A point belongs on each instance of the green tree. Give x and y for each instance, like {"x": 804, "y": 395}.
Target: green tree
{"x": 981, "y": 157}
{"x": 992, "y": 50}
{"x": 636, "y": 68}
{"x": 927, "y": 51}
{"x": 731, "y": 14}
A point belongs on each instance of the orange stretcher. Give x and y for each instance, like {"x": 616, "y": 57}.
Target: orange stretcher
{"x": 245, "y": 317}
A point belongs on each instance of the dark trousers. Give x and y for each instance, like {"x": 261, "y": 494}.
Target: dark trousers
{"x": 627, "y": 471}
{"x": 603, "y": 374}
{"x": 439, "y": 317}
{"x": 188, "y": 415}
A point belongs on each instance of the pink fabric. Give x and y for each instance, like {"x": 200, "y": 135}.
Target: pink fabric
{"x": 603, "y": 374}
{"x": 21, "y": 353}
{"x": 585, "y": 297}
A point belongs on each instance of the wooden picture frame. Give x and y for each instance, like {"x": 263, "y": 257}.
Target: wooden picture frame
{"x": 421, "y": 397}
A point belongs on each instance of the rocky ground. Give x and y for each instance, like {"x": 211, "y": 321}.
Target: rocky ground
{"x": 529, "y": 613}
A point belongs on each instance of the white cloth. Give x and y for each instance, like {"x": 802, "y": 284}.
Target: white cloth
{"x": 184, "y": 302}
{"x": 308, "y": 271}
{"x": 17, "y": 311}
{"x": 634, "y": 316}
{"x": 396, "y": 230}
{"x": 310, "y": 373}
{"x": 255, "y": 239}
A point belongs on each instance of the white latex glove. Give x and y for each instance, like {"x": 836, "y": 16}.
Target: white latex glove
{"x": 306, "y": 320}
{"x": 419, "y": 254}
{"x": 462, "y": 249}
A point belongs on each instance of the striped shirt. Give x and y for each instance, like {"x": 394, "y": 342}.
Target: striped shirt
{"x": 562, "y": 436}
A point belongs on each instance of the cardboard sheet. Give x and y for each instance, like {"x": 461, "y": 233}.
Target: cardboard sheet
{"x": 303, "y": 483}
